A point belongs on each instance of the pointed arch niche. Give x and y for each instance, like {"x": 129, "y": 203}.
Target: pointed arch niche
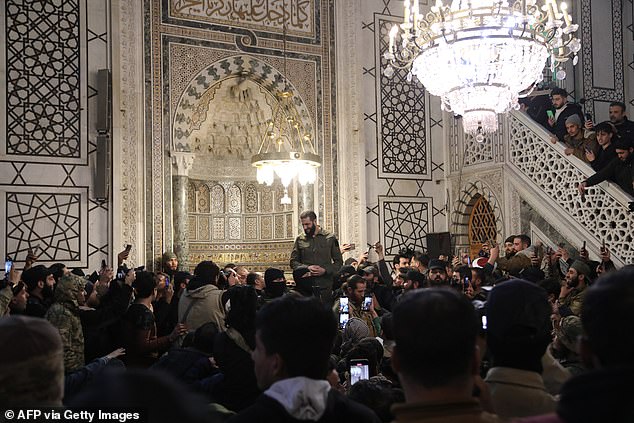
{"x": 477, "y": 218}
{"x": 219, "y": 119}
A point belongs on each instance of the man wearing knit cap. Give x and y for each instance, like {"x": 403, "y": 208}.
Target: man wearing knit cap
{"x": 578, "y": 141}
{"x": 31, "y": 363}
{"x": 574, "y": 290}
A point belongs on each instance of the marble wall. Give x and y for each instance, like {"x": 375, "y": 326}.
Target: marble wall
{"x": 49, "y": 59}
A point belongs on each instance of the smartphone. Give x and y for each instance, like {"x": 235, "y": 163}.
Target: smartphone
{"x": 128, "y": 247}
{"x": 550, "y": 114}
{"x": 167, "y": 282}
{"x": 103, "y": 264}
{"x": 603, "y": 246}
{"x": 343, "y": 319}
{"x": 484, "y": 322}
{"x": 367, "y": 302}
{"x": 466, "y": 284}
{"x": 352, "y": 247}
{"x": 8, "y": 264}
{"x": 583, "y": 247}
{"x": 343, "y": 305}
{"x": 588, "y": 116}
{"x": 359, "y": 370}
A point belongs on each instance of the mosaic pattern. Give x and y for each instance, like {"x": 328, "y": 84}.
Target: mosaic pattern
{"x": 405, "y": 222}
{"x": 557, "y": 176}
{"x": 234, "y": 200}
{"x": 401, "y": 109}
{"x": 218, "y": 228}
{"x": 204, "y": 232}
{"x": 217, "y": 199}
{"x": 43, "y": 78}
{"x": 251, "y": 199}
{"x": 235, "y": 228}
{"x": 266, "y": 227}
{"x": 251, "y": 228}
{"x": 203, "y": 199}
{"x": 280, "y": 230}
{"x": 191, "y": 227}
{"x": 49, "y": 223}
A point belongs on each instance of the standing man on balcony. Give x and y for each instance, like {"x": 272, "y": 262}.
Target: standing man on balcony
{"x": 319, "y": 250}
{"x": 620, "y": 170}
{"x": 624, "y": 126}
{"x": 561, "y": 111}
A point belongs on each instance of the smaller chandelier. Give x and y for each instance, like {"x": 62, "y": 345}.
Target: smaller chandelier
{"x": 286, "y": 148}
{"x": 481, "y": 56}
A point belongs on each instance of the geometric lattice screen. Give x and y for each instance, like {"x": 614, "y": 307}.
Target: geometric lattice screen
{"x": 42, "y": 71}
{"x": 404, "y": 222}
{"x": 48, "y": 221}
{"x": 482, "y": 227}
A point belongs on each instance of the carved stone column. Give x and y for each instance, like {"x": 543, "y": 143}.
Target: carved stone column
{"x": 181, "y": 165}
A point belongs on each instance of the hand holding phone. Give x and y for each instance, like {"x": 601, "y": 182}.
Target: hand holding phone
{"x": 367, "y": 303}
{"x": 359, "y": 370}
{"x": 8, "y": 264}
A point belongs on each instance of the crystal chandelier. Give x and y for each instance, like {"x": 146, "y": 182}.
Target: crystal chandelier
{"x": 480, "y": 56}
{"x": 286, "y": 148}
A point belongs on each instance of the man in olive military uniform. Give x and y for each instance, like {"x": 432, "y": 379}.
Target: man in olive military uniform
{"x": 319, "y": 250}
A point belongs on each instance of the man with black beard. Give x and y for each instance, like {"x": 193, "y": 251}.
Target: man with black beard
{"x": 39, "y": 284}
{"x": 437, "y": 273}
{"x": 574, "y": 290}
{"x": 319, "y": 250}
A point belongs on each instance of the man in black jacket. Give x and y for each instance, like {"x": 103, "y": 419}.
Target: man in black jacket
{"x": 561, "y": 111}
{"x": 606, "y": 153}
{"x": 619, "y": 170}
{"x": 293, "y": 338}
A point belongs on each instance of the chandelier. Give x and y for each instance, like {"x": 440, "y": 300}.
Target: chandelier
{"x": 286, "y": 148}
{"x": 481, "y": 56}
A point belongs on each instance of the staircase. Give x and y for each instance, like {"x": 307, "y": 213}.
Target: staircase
{"x": 547, "y": 179}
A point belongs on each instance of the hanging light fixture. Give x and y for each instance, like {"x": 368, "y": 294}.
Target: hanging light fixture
{"x": 286, "y": 148}
{"x": 481, "y": 56}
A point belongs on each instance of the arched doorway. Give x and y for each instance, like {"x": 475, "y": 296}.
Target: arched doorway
{"x": 482, "y": 227}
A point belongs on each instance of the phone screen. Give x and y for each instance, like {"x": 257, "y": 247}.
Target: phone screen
{"x": 367, "y": 302}
{"x": 343, "y": 305}
{"x": 8, "y": 264}
{"x": 484, "y": 322}
{"x": 343, "y": 319}
{"x": 359, "y": 370}
{"x": 466, "y": 284}
{"x": 550, "y": 114}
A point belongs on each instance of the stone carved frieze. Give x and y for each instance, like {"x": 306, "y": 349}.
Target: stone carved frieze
{"x": 266, "y": 15}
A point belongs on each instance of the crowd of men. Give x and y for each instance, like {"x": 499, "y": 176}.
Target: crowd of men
{"x": 521, "y": 331}
{"x": 607, "y": 147}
